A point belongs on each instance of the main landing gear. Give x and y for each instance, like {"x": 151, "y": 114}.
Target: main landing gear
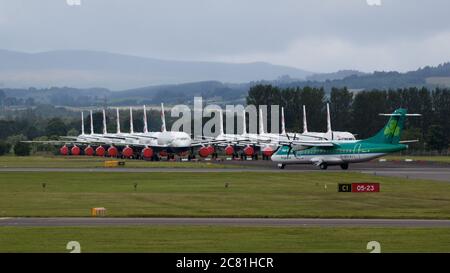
{"x": 281, "y": 166}
{"x": 324, "y": 166}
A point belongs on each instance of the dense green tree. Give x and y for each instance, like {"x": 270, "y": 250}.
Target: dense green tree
{"x": 4, "y": 147}
{"x": 56, "y": 127}
{"x": 72, "y": 132}
{"x": 290, "y": 100}
{"x": 436, "y": 139}
{"x": 366, "y": 107}
{"x": 22, "y": 149}
{"x": 314, "y": 99}
{"x": 441, "y": 109}
{"x": 341, "y": 109}
{"x": 264, "y": 95}
{"x": 14, "y": 139}
{"x": 411, "y": 133}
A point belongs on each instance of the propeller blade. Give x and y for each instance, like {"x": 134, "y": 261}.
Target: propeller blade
{"x": 289, "y": 152}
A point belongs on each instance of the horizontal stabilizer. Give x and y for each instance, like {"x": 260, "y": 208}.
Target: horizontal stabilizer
{"x": 409, "y": 141}
{"x": 407, "y": 115}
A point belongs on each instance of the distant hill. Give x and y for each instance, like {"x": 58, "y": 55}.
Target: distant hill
{"x": 219, "y": 92}
{"x": 341, "y": 74}
{"x": 427, "y": 76}
{"x": 66, "y": 96}
{"x": 213, "y": 91}
{"x": 87, "y": 69}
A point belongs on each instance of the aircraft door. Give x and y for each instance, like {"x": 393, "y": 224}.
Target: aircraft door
{"x": 357, "y": 151}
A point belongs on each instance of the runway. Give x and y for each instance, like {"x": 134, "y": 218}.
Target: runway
{"x": 428, "y": 171}
{"x": 270, "y": 222}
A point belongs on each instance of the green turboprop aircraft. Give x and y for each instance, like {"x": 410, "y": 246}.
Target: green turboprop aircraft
{"x": 326, "y": 153}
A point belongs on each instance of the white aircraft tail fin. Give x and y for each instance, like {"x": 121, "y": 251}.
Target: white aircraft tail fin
{"x": 163, "y": 119}
{"x": 261, "y": 122}
{"x": 244, "y": 123}
{"x": 221, "y": 122}
{"x": 145, "y": 120}
{"x": 131, "y": 121}
{"x": 283, "y": 126}
{"x": 105, "y": 131}
{"x": 82, "y": 123}
{"x": 328, "y": 118}
{"x": 329, "y": 133}
{"x": 92, "y": 123}
{"x": 305, "y": 125}
{"x": 118, "y": 120}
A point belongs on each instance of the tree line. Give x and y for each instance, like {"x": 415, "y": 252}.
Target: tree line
{"x": 358, "y": 111}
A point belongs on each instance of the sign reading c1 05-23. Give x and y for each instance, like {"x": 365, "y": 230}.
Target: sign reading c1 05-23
{"x": 359, "y": 187}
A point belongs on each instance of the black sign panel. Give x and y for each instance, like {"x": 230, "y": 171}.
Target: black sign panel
{"x": 345, "y": 188}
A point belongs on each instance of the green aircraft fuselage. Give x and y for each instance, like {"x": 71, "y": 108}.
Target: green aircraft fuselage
{"x": 343, "y": 152}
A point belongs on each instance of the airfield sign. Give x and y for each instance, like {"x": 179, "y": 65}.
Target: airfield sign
{"x": 359, "y": 187}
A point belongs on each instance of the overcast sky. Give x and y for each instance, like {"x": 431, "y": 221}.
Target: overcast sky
{"x": 316, "y": 35}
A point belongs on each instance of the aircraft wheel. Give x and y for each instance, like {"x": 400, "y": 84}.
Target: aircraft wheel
{"x": 281, "y": 166}
{"x": 344, "y": 166}
{"x": 323, "y": 166}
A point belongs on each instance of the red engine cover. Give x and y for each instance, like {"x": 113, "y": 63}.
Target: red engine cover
{"x": 147, "y": 152}
{"x": 163, "y": 153}
{"x": 229, "y": 150}
{"x": 89, "y": 151}
{"x": 268, "y": 151}
{"x": 64, "y": 150}
{"x": 112, "y": 151}
{"x": 249, "y": 151}
{"x": 100, "y": 151}
{"x": 75, "y": 150}
{"x": 127, "y": 152}
{"x": 211, "y": 149}
{"x": 204, "y": 152}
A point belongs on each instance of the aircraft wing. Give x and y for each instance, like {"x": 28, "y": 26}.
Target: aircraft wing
{"x": 144, "y": 136}
{"x": 58, "y": 142}
{"x": 197, "y": 143}
{"x": 213, "y": 141}
{"x": 313, "y": 143}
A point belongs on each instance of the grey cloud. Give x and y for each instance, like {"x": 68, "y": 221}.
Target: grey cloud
{"x": 209, "y": 29}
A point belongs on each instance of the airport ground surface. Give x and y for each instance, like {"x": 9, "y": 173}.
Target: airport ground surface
{"x": 163, "y": 238}
{"x": 217, "y": 194}
{"x": 230, "y": 206}
{"x": 249, "y": 222}
{"x": 419, "y": 169}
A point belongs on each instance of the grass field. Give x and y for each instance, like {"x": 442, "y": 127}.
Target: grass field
{"x": 439, "y": 159}
{"x": 95, "y": 162}
{"x": 205, "y": 195}
{"x": 223, "y": 239}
